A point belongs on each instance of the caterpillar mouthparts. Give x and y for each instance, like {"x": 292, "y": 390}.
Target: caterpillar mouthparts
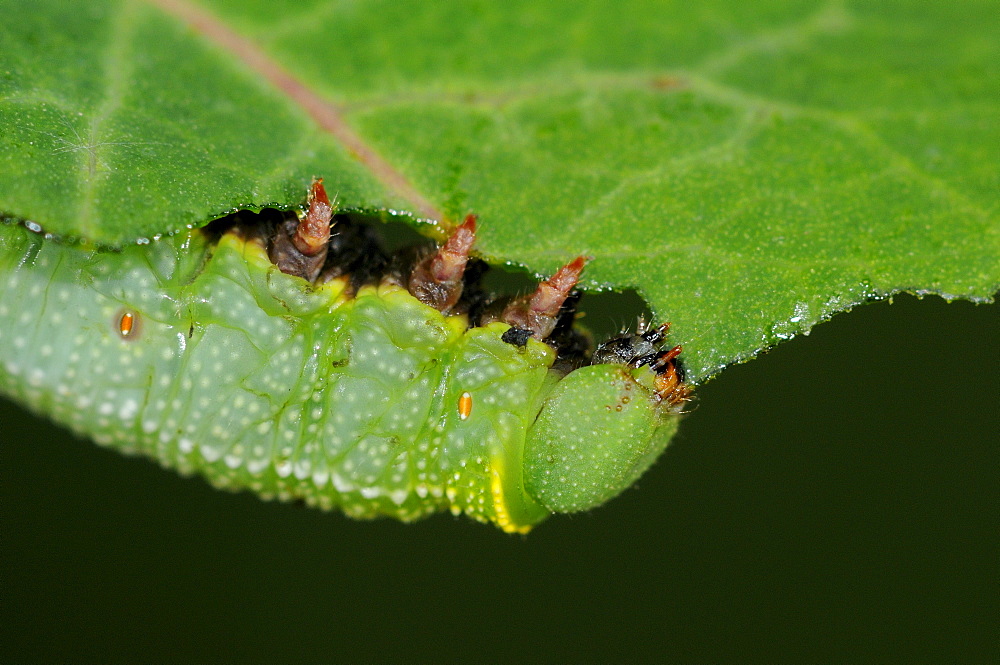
{"x": 295, "y": 357}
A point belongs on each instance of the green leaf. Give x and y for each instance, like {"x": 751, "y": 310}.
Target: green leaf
{"x": 750, "y": 168}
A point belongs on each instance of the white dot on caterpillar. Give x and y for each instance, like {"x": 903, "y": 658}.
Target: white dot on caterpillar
{"x": 465, "y": 406}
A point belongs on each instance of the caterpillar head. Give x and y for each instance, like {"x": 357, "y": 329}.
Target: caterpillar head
{"x": 599, "y": 430}
{"x": 604, "y": 425}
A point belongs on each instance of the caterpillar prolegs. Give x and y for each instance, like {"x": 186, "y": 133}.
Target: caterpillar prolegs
{"x": 276, "y": 354}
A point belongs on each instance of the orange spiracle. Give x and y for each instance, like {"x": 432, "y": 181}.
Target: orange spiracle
{"x": 126, "y": 325}
{"x": 465, "y": 406}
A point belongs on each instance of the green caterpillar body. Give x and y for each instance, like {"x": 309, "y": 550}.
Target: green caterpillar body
{"x": 203, "y": 355}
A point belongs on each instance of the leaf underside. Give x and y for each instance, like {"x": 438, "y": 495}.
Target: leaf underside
{"x": 750, "y": 168}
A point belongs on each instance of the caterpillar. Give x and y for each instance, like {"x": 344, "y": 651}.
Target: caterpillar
{"x": 289, "y": 354}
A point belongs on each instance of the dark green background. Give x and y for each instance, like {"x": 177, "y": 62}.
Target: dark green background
{"x": 836, "y": 499}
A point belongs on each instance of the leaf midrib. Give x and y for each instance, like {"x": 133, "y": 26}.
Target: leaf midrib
{"x": 327, "y": 115}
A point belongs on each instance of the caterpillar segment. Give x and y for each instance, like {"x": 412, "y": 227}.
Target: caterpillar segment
{"x": 231, "y": 353}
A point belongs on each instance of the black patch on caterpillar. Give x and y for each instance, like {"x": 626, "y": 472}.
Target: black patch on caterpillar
{"x": 517, "y": 337}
